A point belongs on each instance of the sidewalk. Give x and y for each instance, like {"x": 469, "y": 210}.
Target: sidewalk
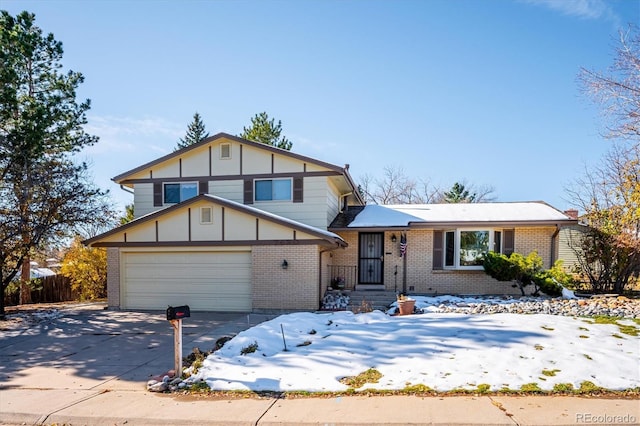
{"x": 91, "y": 366}
{"x": 93, "y": 407}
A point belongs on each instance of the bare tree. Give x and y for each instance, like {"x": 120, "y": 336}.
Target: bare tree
{"x": 617, "y": 91}
{"x": 395, "y": 187}
{"x": 608, "y": 254}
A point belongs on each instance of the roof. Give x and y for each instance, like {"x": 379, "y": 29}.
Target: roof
{"x": 459, "y": 214}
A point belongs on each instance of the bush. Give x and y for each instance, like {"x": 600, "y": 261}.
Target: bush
{"x": 515, "y": 267}
{"x": 552, "y": 280}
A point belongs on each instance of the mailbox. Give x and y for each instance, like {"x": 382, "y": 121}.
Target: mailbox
{"x": 178, "y": 312}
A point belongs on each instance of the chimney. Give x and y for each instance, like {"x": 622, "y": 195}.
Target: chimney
{"x": 572, "y": 213}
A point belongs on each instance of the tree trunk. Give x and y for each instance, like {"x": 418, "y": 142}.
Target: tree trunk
{"x": 25, "y": 289}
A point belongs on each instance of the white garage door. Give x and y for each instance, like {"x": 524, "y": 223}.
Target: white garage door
{"x": 206, "y": 281}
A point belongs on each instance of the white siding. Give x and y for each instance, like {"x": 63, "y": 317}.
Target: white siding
{"x": 312, "y": 211}
{"x": 229, "y": 189}
{"x": 333, "y": 202}
{"x": 143, "y": 199}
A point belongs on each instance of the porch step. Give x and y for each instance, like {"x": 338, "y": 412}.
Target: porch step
{"x": 378, "y": 299}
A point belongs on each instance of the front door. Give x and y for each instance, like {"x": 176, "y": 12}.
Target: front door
{"x": 371, "y": 257}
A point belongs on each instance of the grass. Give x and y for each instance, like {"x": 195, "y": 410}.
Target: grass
{"x": 630, "y": 330}
{"x": 369, "y": 376}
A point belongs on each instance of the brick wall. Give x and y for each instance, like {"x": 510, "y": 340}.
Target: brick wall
{"x": 113, "y": 278}
{"x": 421, "y": 278}
{"x": 294, "y": 288}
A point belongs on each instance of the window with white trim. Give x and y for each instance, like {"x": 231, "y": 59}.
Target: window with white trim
{"x": 465, "y": 248}
{"x": 272, "y": 189}
{"x": 174, "y": 193}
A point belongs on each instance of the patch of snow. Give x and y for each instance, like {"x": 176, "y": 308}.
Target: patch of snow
{"x": 442, "y": 351}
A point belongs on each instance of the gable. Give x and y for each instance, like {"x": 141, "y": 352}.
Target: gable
{"x": 227, "y": 223}
{"x": 241, "y": 158}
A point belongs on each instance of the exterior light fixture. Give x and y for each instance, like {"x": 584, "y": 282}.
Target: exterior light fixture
{"x": 285, "y": 264}
{"x": 393, "y": 238}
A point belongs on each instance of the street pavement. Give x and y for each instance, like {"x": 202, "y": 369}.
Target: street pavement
{"x": 90, "y": 366}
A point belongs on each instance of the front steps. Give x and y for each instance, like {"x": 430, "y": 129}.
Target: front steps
{"x": 378, "y": 299}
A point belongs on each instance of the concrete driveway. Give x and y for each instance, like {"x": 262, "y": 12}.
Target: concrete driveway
{"x": 87, "y": 347}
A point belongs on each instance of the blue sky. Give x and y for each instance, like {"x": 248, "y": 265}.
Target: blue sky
{"x": 481, "y": 91}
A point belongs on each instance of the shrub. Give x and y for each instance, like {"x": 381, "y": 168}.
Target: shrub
{"x": 249, "y": 349}
{"x": 552, "y": 280}
{"x": 515, "y": 267}
{"x": 563, "y": 387}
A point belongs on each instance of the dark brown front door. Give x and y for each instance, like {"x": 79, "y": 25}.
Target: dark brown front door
{"x": 370, "y": 255}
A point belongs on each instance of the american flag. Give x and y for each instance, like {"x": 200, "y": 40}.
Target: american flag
{"x": 403, "y": 245}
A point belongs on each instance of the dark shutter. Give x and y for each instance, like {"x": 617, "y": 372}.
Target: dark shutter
{"x": 248, "y": 191}
{"x": 437, "y": 250}
{"x": 204, "y": 187}
{"x": 157, "y": 194}
{"x": 298, "y": 189}
{"x": 509, "y": 241}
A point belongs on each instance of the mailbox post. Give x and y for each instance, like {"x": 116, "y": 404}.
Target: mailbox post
{"x": 175, "y": 316}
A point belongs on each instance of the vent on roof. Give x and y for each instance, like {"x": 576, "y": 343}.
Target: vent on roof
{"x": 206, "y": 216}
{"x": 225, "y": 151}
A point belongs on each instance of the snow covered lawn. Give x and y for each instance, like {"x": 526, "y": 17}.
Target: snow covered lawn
{"x": 441, "y": 351}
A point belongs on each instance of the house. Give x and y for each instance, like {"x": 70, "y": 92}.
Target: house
{"x": 229, "y": 224}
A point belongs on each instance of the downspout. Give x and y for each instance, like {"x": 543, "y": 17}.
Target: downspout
{"x": 343, "y": 197}
{"x": 125, "y": 189}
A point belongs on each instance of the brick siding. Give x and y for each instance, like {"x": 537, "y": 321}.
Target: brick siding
{"x": 113, "y": 278}
{"x": 294, "y": 288}
{"x": 422, "y": 279}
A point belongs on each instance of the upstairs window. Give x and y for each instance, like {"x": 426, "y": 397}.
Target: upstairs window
{"x": 273, "y": 190}
{"x": 177, "y": 192}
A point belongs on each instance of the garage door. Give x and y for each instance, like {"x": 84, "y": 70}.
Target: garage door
{"x": 206, "y": 281}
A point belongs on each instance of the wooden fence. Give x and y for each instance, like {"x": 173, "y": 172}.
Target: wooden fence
{"x": 55, "y": 288}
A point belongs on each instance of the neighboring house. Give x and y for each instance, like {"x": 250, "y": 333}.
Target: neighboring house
{"x": 230, "y": 224}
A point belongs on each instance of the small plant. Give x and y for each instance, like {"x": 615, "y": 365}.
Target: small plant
{"x": 587, "y": 357}
{"x": 365, "y": 307}
{"x": 550, "y": 373}
{"x": 530, "y": 387}
{"x": 369, "y": 376}
{"x": 194, "y": 360}
{"x": 200, "y": 387}
{"x": 544, "y": 327}
{"x": 563, "y": 387}
{"x": 484, "y": 388}
{"x": 249, "y": 349}
{"x": 420, "y": 388}
{"x": 588, "y": 387}
{"x": 338, "y": 283}
{"x": 539, "y": 347}
{"x": 582, "y": 336}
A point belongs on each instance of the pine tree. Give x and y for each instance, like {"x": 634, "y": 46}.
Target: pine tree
{"x": 45, "y": 196}
{"x": 195, "y": 133}
{"x": 459, "y": 194}
{"x": 266, "y": 131}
